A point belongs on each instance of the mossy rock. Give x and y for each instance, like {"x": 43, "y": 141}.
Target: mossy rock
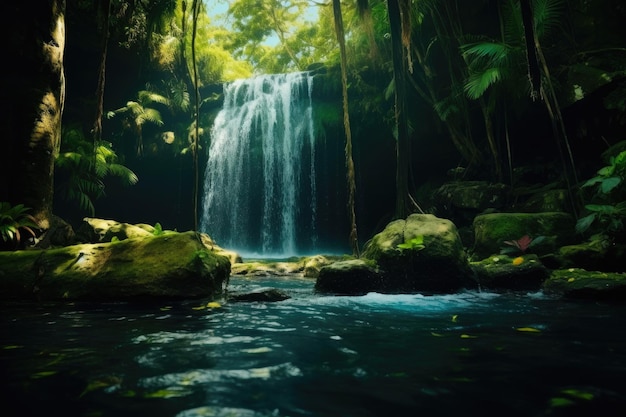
{"x": 175, "y": 265}
{"x": 501, "y": 272}
{"x": 492, "y": 230}
{"x": 423, "y": 253}
{"x": 593, "y": 255}
{"x": 583, "y": 284}
{"x": 94, "y": 230}
{"x": 351, "y": 277}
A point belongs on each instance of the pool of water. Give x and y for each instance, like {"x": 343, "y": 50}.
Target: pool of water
{"x": 469, "y": 354}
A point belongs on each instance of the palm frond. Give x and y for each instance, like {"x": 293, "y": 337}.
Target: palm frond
{"x": 152, "y": 116}
{"x": 479, "y": 82}
{"x": 146, "y": 97}
{"x": 547, "y": 15}
{"x": 487, "y": 53}
{"x": 127, "y": 176}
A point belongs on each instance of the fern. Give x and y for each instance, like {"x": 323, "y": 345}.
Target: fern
{"x": 87, "y": 165}
{"x": 479, "y": 82}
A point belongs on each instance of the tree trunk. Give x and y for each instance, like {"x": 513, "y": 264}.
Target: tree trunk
{"x": 354, "y": 243}
{"x": 402, "y": 140}
{"x": 34, "y": 94}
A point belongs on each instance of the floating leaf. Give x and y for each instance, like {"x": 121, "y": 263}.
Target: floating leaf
{"x": 168, "y": 393}
{"x": 43, "y": 374}
{"x": 454, "y": 318}
{"x": 214, "y": 304}
{"x": 560, "y": 402}
{"x": 578, "y": 394}
{"x": 468, "y": 336}
{"x": 528, "y": 330}
{"x": 436, "y": 334}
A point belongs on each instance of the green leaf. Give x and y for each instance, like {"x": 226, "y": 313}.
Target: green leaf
{"x": 601, "y": 208}
{"x": 417, "y": 243}
{"x": 609, "y": 184}
{"x": 585, "y": 222}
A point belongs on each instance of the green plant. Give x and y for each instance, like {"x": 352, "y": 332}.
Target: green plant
{"x": 137, "y": 113}
{"x": 14, "y": 221}
{"x": 86, "y": 164}
{"x": 158, "y": 230}
{"x": 415, "y": 244}
{"x": 609, "y": 208}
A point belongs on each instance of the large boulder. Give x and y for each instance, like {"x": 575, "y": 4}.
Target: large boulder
{"x": 492, "y": 230}
{"x": 172, "y": 265}
{"x": 420, "y": 254}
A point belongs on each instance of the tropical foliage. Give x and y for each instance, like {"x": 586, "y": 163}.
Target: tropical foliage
{"x": 608, "y": 211}
{"x": 85, "y": 165}
{"x": 15, "y": 222}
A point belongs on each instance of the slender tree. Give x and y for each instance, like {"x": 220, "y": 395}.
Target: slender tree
{"x": 339, "y": 31}
{"x": 195, "y": 145}
{"x": 399, "y": 22}
{"x": 34, "y": 92}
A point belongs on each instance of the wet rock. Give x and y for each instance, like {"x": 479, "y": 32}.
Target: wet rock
{"x": 582, "y": 284}
{"x": 421, "y": 253}
{"x": 350, "y": 277}
{"x": 502, "y": 272}
{"x": 260, "y": 295}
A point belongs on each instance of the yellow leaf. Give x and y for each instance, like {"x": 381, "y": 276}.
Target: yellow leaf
{"x": 528, "y": 330}
{"x": 467, "y": 336}
{"x": 213, "y": 304}
{"x": 454, "y": 318}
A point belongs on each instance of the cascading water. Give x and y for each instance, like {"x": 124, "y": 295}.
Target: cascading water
{"x": 259, "y": 183}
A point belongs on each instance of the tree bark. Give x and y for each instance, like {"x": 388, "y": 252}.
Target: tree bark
{"x": 339, "y": 30}
{"x": 402, "y": 140}
{"x": 34, "y": 94}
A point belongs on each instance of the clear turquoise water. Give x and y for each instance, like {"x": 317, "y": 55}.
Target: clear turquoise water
{"x": 470, "y": 354}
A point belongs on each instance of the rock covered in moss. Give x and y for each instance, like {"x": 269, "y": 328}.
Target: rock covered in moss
{"x": 491, "y": 230}
{"x": 423, "y": 253}
{"x": 583, "y": 284}
{"x": 94, "y": 230}
{"x": 173, "y": 265}
{"x": 349, "y": 277}
{"x": 593, "y": 255}
{"x": 502, "y": 272}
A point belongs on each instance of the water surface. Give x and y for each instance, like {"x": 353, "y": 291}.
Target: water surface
{"x": 469, "y": 354}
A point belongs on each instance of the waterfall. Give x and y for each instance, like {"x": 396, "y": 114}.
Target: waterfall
{"x": 259, "y": 183}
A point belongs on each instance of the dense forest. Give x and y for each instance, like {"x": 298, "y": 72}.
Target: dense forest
{"x": 409, "y": 95}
